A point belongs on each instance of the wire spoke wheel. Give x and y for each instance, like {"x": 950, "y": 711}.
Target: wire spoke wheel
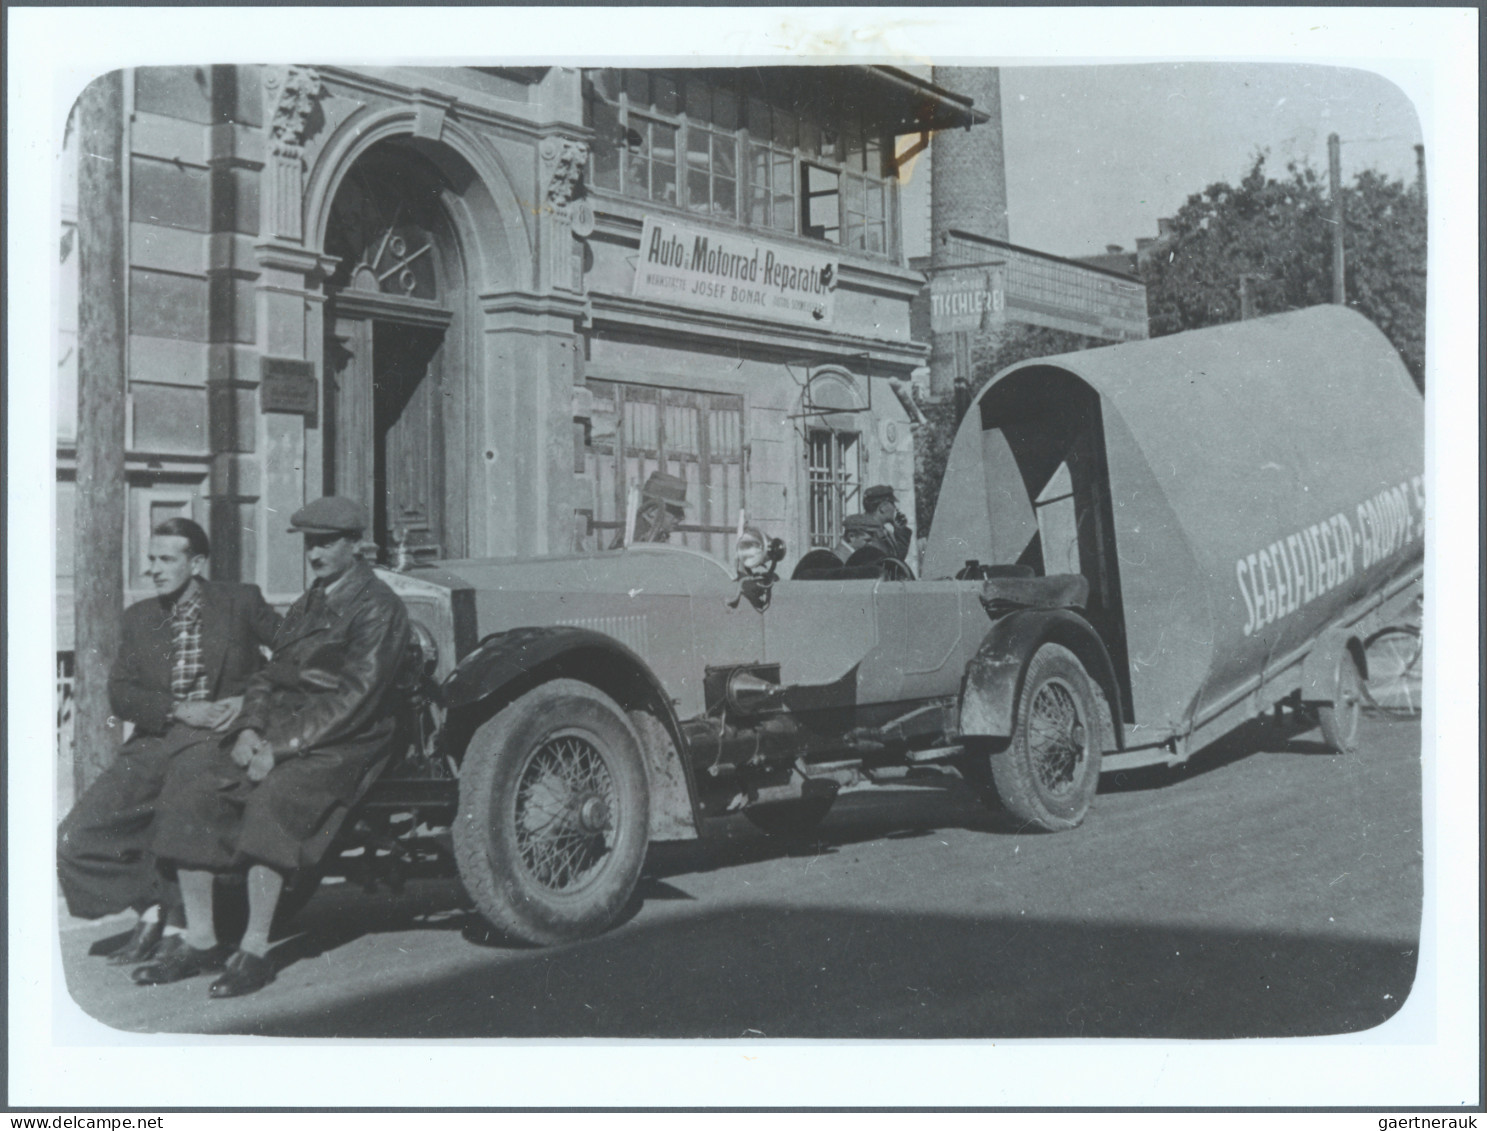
{"x": 564, "y": 803}
{"x": 1047, "y": 774}
{"x": 554, "y": 814}
{"x": 1056, "y": 737}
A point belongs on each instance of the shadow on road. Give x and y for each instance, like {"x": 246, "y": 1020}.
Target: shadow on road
{"x": 1267, "y": 734}
{"x": 782, "y": 972}
{"x": 694, "y": 969}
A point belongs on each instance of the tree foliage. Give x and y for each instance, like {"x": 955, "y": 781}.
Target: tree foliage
{"x": 1279, "y": 232}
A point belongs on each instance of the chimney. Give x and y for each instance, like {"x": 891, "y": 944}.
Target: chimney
{"x": 1164, "y": 227}
{"x": 968, "y": 174}
{"x": 1143, "y": 242}
{"x": 1115, "y": 248}
{"x": 967, "y": 191}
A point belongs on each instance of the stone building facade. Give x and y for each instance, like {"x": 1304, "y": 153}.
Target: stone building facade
{"x": 447, "y": 291}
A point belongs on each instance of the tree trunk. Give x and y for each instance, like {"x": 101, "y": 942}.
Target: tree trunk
{"x": 100, "y": 421}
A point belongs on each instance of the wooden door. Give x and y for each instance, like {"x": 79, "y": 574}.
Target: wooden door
{"x": 408, "y": 438}
{"x": 385, "y": 420}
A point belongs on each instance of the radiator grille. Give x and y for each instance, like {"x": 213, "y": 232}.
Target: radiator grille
{"x": 630, "y": 631}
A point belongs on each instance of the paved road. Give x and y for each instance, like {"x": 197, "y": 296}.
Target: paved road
{"x": 1271, "y": 888}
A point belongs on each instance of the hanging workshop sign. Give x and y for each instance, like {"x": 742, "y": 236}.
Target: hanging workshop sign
{"x": 734, "y": 274}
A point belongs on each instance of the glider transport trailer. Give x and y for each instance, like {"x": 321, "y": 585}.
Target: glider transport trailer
{"x": 1135, "y": 549}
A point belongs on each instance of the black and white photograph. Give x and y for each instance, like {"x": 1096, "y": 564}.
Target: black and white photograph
{"x": 716, "y": 558}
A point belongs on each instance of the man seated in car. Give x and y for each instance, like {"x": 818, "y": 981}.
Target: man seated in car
{"x": 857, "y": 531}
{"x": 663, "y": 500}
{"x": 317, "y": 725}
{"x": 893, "y": 535}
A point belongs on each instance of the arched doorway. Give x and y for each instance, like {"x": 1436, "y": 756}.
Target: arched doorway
{"x": 396, "y": 353}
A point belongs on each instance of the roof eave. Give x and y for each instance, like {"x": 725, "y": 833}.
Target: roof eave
{"x": 934, "y": 107}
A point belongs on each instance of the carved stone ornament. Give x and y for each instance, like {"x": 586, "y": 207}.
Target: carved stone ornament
{"x": 564, "y": 160}
{"x": 294, "y": 91}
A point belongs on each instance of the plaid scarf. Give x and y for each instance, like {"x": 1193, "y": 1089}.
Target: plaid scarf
{"x": 188, "y": 674}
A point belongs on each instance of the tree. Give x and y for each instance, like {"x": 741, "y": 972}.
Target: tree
{"x": 1279, "y": 233}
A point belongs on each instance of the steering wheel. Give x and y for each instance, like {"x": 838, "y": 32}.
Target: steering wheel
{"x": 894, "y": 569}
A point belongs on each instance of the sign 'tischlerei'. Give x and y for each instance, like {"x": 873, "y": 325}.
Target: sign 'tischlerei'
{"x": 734, "y": 274}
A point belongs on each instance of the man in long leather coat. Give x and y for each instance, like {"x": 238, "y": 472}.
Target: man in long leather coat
{"x": 185, "y": 657}
{"x": 316, "y": 727}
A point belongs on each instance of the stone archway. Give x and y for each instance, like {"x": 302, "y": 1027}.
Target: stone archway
{"x": 398, "y": 350}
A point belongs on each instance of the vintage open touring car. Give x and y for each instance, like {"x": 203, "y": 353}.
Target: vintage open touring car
{"x": 1135, "y": 549}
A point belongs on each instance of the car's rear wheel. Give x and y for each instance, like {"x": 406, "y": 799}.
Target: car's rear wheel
{"x": 1048, "y": 773}
{"x": 554, "y": 814}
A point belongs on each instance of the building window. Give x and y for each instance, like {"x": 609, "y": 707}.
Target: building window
{"x": 834, "y": 468}
{"x": 638, "y": 429}
{"x": 774, "y": 134}
{"x": 822, "y": 219}
{"x": 716, "y": 146}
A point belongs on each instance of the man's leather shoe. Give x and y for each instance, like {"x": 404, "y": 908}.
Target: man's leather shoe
{"x": 140, "y": 945}
{"x": 246, "y": 974}
{"x": 177, "y": 959}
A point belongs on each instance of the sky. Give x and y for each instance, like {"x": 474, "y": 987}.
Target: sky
{"x": 1095, "y": 154}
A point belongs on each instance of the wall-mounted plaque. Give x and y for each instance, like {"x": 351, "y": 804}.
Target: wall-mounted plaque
{"x": 289, "y": 385}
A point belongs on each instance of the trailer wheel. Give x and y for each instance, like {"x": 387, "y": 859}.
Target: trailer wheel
{"x": 554, "y": 814}
{"x": 1339, "y": 719}
{"x": 1048, "y": 773}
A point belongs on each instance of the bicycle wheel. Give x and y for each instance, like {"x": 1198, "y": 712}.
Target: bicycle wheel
{"x": 1393, "y": 686}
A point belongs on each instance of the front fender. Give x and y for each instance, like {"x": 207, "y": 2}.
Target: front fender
{"x": 509, "y": 663}
{"x": 506, "y": 658}
{"x": 993, "y": 679}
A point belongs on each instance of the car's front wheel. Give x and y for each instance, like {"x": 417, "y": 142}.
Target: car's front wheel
{"x": 554, "y": 814}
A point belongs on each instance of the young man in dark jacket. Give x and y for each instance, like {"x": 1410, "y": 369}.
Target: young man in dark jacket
{"x": 184, "y": 661}
{"x": 316, "y": 727}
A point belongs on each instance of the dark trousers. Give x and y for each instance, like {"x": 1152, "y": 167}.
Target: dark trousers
{"x": 104, "y": 862}
{"x": 212, "y": 818}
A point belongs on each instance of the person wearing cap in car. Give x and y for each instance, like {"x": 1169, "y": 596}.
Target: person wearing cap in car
{"x": 893, "y": 535}
{"x": 857, "y": 531}
{"x": 663, "y": 500}
{"x": 316, "y": 726}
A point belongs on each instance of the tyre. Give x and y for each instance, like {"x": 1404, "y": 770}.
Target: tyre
{"x": 795, "y": 818}
{"x": 1048, "y": 773}
{"x": 553, "y": 817}
{"x": 1339, "y": 719}
{"x": 1394, "y": 660}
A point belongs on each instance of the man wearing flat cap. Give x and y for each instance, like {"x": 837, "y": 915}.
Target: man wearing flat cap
{"x": 894, "y": 536}
{"x": 316, "y": 726}
{"x": 857, "y": 531}
{"x": 663, "y": 500}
